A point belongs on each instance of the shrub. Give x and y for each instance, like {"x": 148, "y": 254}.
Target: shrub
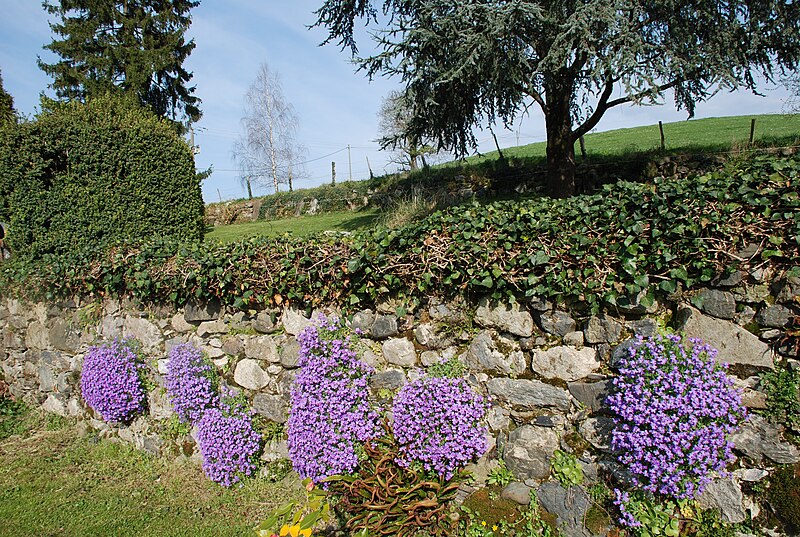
{"x": 329, "y": 418}
{"x": 191, "y": 382}
{"x": 228, "y": 441}
{"x": 82, "y": 174}
{"x": 674, "y": 409}
{"x": 438, "y": 423}
{"x": 111, "y": 381}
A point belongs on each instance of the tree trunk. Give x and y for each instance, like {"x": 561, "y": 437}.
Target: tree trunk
{"x": 249, "y": 188}
{"x": 560, "y": 141}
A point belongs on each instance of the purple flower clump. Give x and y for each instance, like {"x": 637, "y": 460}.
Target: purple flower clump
{"x": 111, "y": 381}
{"x": 438, "y": 422}
{"x": 228, "y": 442}
{"x": 190, "y": 382}
{"x": 329, "y": 416}
{"x": 674, "y": 409}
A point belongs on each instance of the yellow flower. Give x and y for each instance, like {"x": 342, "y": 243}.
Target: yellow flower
{"x": 494, "y": 528}
{"x": 295, "y": 531}
{"x": 483, "y": 523}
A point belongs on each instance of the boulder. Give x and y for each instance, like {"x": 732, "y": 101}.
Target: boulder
{"x": 262, "y": 348}
{"x": 294, "y": 321}
{"x": 568, "y": 505}
{"x": 774, "y": 316}
{"x": 724, "y": 495}
{"x": 517, "y": 492}
{"x": 720, "y": 304}
{"x": 384, "y": 326}
{"x": 399, "y": 351}
{"x": 509, "y": 318}
{"x": 208, "y": 311}
{"x": 249, "y": 375}
{"x": 602, "y": 330}
{"x": 483, "y": 355}
{"x": 557, "y": 323}
{"x": 758, "y": 438}
{"x": 592, "y": 395}
{"x": 528, "y": 394}
{"x": 391, "y": 379}
{"x": 271, "y": 407}
{"x": 211, "y": 328}
{"x": 529, "y": 450}
{"x": 566, "y": 363}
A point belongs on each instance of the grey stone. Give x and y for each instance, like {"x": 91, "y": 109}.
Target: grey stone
{"x": 752, "y": 294}
{"x": 294, "y": 321}
{"x": 568, "y": 505}
{"x": 263, "y": 323}
{"x": 196, "y": 312}
{"x": 731, "y": 280}
{"x": 211, "y": 328}
{"x": 517, "y": 492}
{"x": 272, "y": 407}
{"x": 751, "y": 475}
{"x": 788, "y": 290}
{"x": 290, "y": 354}
{"x": 262, "y": 348}
{"x": 735, "y": 345}
{"x": 249, "y": 375}
{"x": 63, "y": 337}
{"x": 37, "y": 336}
{"x": 566, "y": 363}
{"x": 391, "y": 379}
{"x": 47, "y": 380}
{"x": 528, "y": 394}
{"x": 529, "y": 450}
{"x": 212, "y": 352}
{"x": 399, "y": 351}
{"x": 147, "y": 333}
{"x": 646, "y": 327}
{"x": 575, "y": 339}
{"x": 111, "y": 327}
{"x": 539, "y": 304}
{"x": 426, "y": 335}
{"x": 745, "y": 316}
{"x": 159, "y": 405}
{"x": 180, "y": 324}
{"x": 274, "y": 450}
{"x": 55, "y": 404}
{"x": 774, "y": 316}
{"x": 726, "y": 496}
{"x": 233, "y": 346}
{"x": 509, "y": 318}
{"x": 759, "y": 438}
{"x": 556, "y": 322}
{"x": 498, "y": 418}
{"x": 602, "y": 330}
{"x": 384, "y": 326}
{"x": 720, "y": 304}
{"x": 429, "y": 358}
{"x": 592, "y": 395}
{"x": 483, "y": 355}
{"x": 362, "y": 321}
{"x": 634, "y": 304}
{"x": 597, "y": 431}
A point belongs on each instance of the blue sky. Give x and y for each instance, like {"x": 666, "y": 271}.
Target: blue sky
{"x": 336, "y": 106}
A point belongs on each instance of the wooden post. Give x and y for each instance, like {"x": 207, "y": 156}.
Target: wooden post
{"x": 333, "y": 172}
{"x": 371, "y": 175}
{"x": 752, "y": 130}
{"x": 584, "y": 156}
{"x": 291, "y": 187}
{"x": 663, "y": 141}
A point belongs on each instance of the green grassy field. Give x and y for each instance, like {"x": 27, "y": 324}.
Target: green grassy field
{"x": 57, "y": 479}
{"x": 299, "y": 226}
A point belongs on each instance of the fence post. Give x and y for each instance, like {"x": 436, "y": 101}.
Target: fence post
{"x": 333, "y": 172}
{"x": 663, "y": 141}
{"x": 752, "y": 130}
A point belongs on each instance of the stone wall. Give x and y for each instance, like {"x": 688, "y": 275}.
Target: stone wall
{"x": 545, "y": 369}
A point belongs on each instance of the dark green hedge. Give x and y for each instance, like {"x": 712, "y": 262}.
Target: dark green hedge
{"x": 596, "y": 250}
{"x": 83, "y": 174}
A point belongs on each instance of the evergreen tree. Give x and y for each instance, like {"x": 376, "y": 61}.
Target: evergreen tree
{"x": 7, "y": 113}
{"x": 136, "y": 46}
{"x": 473, "y": 63}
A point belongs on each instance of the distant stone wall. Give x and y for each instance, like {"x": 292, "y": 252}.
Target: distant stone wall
{"x": 545, "y": 369}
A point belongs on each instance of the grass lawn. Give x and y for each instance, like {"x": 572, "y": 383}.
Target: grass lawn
{"x": 298, "y": 226}
{"x": 57, "y": 479}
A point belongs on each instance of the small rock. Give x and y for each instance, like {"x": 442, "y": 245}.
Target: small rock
{"x": 210, "y": 328}
{"x": 143, "y": 330}
{"x": 290, "y": 354}
{"x": 384, "y": 326}
{"x": 362, "y": 321}
{"x": 751, "y": 475}
{"x": 529, "y": 450}
{"x": 391, "y": 379}
{"x": 731, "y": 280}
{"x": 566, "y": 363}
{"x": 634, "y": 304}
{"x": 294, "y": 321}
{"x": 483, "y": 354}
{"x": 517, "y": 492}
{"x": 263, "y": 323}
{"x": 498, "y": 418}
{"x": 720, "y": 304}
{"x": 557, "y": 323}
{"x": 759, "y": 438}
{"x": 574, "y": 339}
{"x": 399, "y": 351}
{"x": 597, "y": 431}
{"x": 232, "y": 346}
{"x": 509, "y": 318}
{"x": 774, "y": 316}
{"x": 426, "y": 335}
{"x": 55, "y": 405}
{"x": 724, "y": 495}
{"x": 210, "y": 311}
{"x": 646, "y": 327}
{"x": 262, "y": 348}
{"x": 591, "y": 394}
{"x": 568, "y": 505}
{"x": 788, "y": 290}
{"x": 602, "y": 330}
{"x": 271, "y": 407}
{"x": 429, "y": 358}
{"x": 179, "y": 324}
{"x": 249, "y": 375}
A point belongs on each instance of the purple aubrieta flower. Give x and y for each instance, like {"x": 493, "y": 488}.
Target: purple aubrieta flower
{"x": 438, "y": 422}
{"x": 190, "y": 382}
{"x": 228, "y": 441}
{"x": 329, "y": 416}
{"x": 674, "y": 409}
{"x": 111, "y": 381}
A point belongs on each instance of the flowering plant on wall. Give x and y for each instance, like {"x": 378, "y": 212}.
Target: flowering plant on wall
{"x": 438, "y": 422}
{"x": 191, "y": 382}
{"x": 330, "y": 418}
{"x": 111, "y": 381}
{"x": 674, "y": 408}
{"x": 228, "y": 442}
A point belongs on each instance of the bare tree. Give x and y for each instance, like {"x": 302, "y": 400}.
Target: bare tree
{"x": 268, "y": 148}
{"x": 393, "y": 118}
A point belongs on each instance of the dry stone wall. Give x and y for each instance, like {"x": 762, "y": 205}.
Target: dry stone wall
{"x": 546, "y": 370}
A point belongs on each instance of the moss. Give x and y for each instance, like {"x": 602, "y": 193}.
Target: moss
{"x": 597, "y": 520}
{"x": 492, "y": 511}
{"x": 576, "y": 442}
{"x": 784, "y": 494}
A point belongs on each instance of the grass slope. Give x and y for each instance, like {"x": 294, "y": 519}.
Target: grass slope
{"x": 299, "y": 226}
{"x": 57, "y": 479}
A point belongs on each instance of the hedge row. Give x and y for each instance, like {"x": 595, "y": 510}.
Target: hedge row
{"x": 629, "y": 239}
{"x": 82, "y": 174}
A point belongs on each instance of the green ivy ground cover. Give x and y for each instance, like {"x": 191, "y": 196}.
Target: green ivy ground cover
{"x": 592, "y": 250}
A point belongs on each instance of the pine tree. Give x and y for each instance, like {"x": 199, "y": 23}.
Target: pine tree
{"x": 134, "y": 46}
